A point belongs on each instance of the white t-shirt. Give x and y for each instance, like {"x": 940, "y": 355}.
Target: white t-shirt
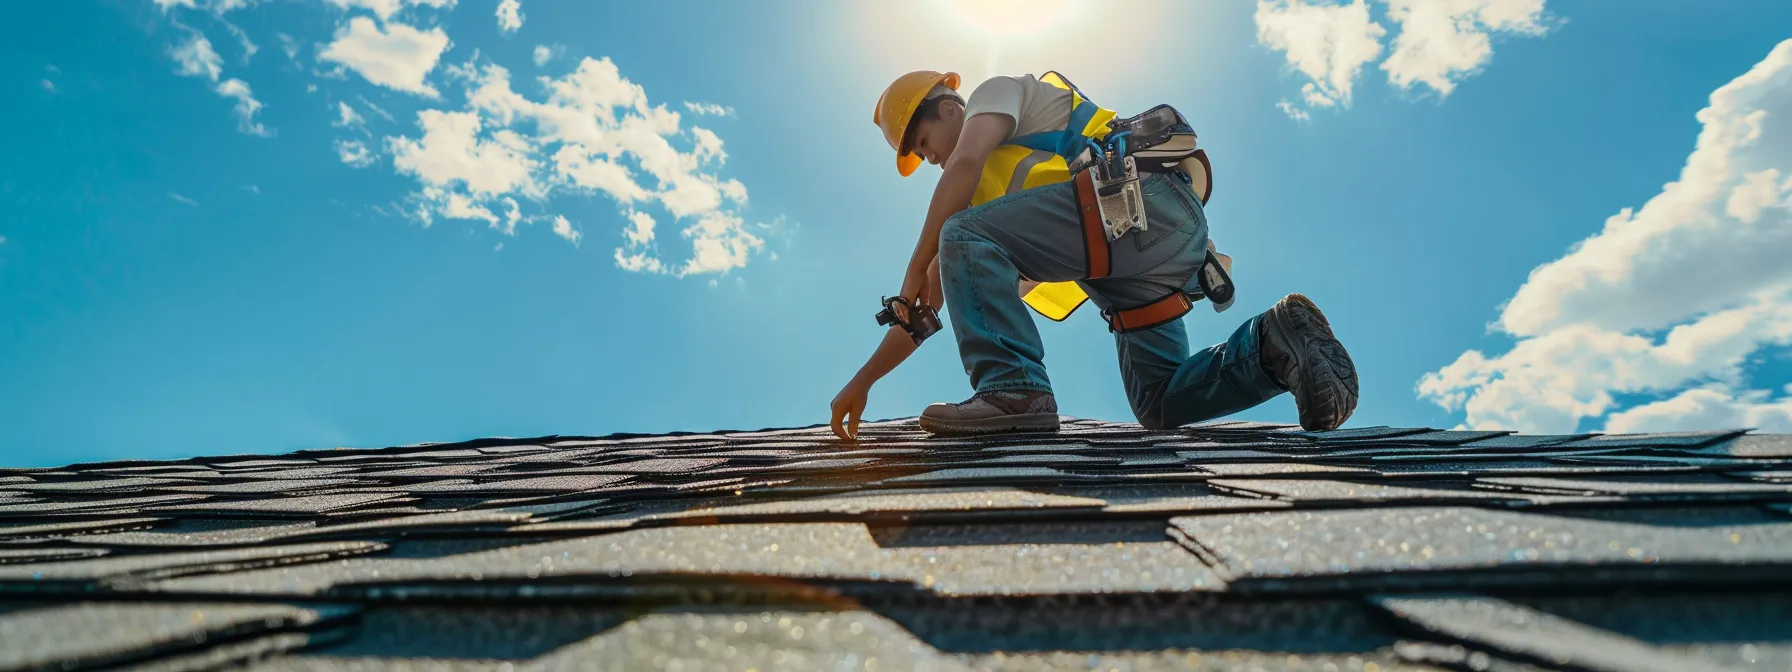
{"x": 1035, "y": 106}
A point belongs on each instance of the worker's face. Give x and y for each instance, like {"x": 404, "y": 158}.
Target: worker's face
{"x": 936, "y": 138}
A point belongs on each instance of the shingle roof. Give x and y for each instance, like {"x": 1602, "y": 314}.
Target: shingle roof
{"x": 1220, "y": 546}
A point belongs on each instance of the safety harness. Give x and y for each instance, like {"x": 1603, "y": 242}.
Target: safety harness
{"x": 1103, "y": 155}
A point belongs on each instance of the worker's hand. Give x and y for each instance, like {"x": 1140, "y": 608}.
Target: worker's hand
{"x": 915, "y": 283}
{"x": 934, "y": 293}
{"x": 849, "y": 406}
{"x": 911, "y": 287}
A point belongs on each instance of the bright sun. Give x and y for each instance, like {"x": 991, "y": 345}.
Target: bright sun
{"x": 1009, "y": 18}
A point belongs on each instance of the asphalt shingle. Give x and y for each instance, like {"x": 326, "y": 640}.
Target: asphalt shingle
{"x": 1536, "y": 635}
{"x": 1362, "y": 549}
{"x": 1219, "y": 546}
{"x": 82, "y": 573}
{"x": 95, "y": 634}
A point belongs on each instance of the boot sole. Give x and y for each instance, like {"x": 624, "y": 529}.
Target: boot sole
{"x": 1007, "y": 424}
{"x": 1325, "y": 385}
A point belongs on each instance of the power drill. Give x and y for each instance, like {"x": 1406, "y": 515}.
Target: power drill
{"x": 923, "y": 320}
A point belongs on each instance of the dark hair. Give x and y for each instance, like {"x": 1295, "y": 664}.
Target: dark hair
{"x": 928, "y": 111}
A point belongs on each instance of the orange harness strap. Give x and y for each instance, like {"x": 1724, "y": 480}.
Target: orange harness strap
{"x": 1095, "y": 238}
{"x": 1100, "y": 258}
{"x": 1161, "y": 311}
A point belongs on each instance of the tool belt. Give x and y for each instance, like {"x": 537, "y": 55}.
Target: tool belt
{"x": 1110, "y": 205}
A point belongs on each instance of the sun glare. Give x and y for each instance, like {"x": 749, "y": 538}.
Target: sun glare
{"x": 1011, "y": 18}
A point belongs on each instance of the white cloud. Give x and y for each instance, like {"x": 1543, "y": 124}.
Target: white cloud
{"x": 1293, "y": 111}
{"x": 386, "y": 8}
{"x": 545, "y": 53}
{"x": 398, "y": 56}
{"x": 1441, "y": 41}
{"x": 640, "y": 262}
{"x": 719, "y": 244}
{"x": 196, "y": 58}
{"x": 710, "y": 109}
{"x": 512, "y": 214}
{"x": 695, "y": 194}
{"x": 709, "y": 146}
{"x": 2, "y": 240}
{"x": 246, "y": 105}
{"x": 354, "y": 153}
{"x": 1436, "y": 43}
{"x": 347, "y": 117}
{"x": 375, "y": 108}
{"x": 183, "y": 200}
{"x": 510, "y": 15}
{"x": 576, "y": 164}
{"x": 452, "y": 154}
{"x": 252, "y": 189}
{"x": 637, "y": 254}
{"x": 1550, "y": 382}
{"x": 166, "y": 5}
{"x": 288, "y": 45}
{"x": 1710, "y": 407}
{"x": 1704, "y": 260}
{"x": 48, "y": 85}
{"x": 381, "y": 8}
{"x": 640, "y": 229}
{"x": 593, "y": 131}
{"x": 1329, "y": 44}
{"x": 562, "y": 228}
{"x": 242, "y": 38}
{"x": 455, "y": 205}
{"x": 1716, "y": 234}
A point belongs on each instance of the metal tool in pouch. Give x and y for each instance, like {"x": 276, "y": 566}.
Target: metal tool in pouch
{"x": 1117, "y": 196}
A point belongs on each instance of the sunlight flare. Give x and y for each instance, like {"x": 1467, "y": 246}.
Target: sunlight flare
{"x": 1013, "y": 18}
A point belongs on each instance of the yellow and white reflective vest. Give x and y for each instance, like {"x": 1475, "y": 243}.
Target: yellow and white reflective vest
{"x": 1022, "y": 165}
{"x": 1044, "y": 158}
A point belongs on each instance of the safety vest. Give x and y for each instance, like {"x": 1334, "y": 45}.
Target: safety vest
{"x": 1040, "y": 159}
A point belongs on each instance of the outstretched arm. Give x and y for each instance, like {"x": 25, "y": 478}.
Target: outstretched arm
{"x": 849, "y": 405}
{"x": 921, "y": 283}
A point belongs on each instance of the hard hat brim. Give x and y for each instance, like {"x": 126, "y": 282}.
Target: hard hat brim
{"x": 907, "y": 163}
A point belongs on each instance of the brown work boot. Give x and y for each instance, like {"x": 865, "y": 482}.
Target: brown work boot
{"x": 1301, "y": 354}
{"x": 996, "y": 412}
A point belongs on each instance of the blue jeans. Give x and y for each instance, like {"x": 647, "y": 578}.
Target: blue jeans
{"x": 985, "y": 251}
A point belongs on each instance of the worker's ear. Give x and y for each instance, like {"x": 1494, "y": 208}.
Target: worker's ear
{"x": 952, "y": 111}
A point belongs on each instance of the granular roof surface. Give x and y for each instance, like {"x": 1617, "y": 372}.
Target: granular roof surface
{"x": 1105, "y": 546}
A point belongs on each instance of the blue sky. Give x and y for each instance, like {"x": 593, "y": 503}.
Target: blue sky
{"x": 373, "y": 222}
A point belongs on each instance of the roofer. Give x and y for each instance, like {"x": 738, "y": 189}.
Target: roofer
{"x": 1047, "y": 199}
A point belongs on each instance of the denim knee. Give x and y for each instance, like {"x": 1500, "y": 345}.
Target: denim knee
{"x": 1149, "y": 412}
{"x": 1147, "y": 403}
{"x": 959, "y": 228}
{"x": 1152, "y": 420}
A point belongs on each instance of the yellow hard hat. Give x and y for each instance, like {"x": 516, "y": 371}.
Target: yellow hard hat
{"x": 897, "y": 106}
